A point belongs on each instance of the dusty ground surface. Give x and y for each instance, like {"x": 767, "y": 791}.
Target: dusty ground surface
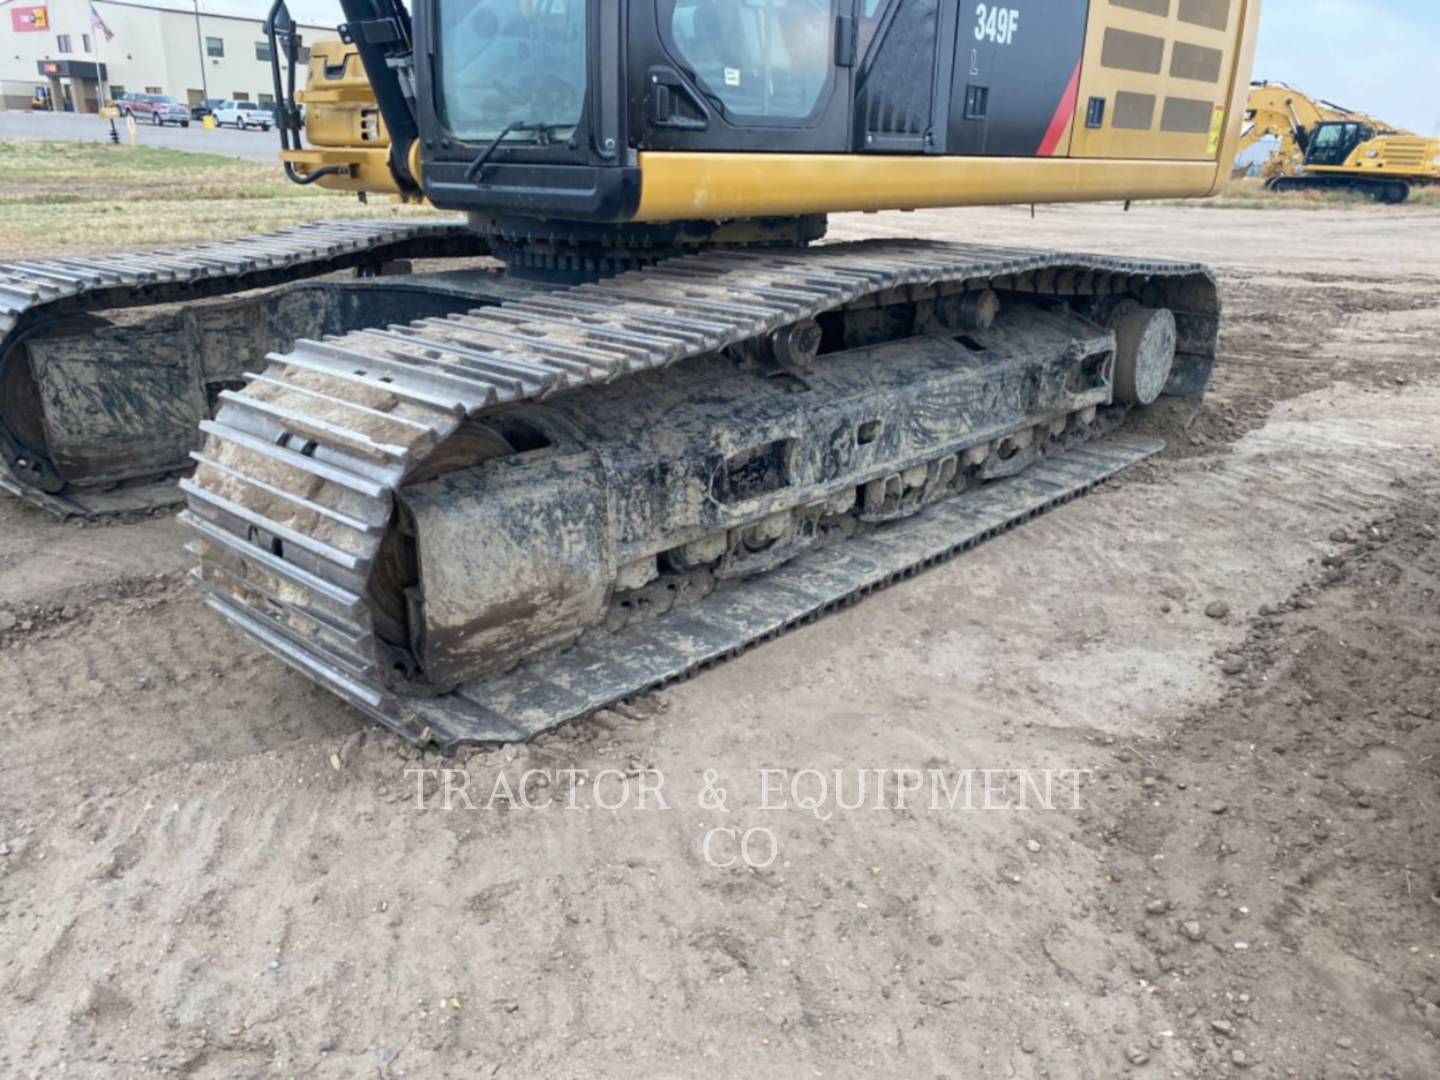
{"x": 211, "y": 868}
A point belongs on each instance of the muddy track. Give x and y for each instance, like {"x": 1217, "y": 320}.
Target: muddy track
{"x": 292, "y": 503}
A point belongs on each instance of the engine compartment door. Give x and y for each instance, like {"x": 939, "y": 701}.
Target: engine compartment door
{"x": 1156, "y": 79}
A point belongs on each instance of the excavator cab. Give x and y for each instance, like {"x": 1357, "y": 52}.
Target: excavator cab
{"x": 660, "y": 126}
{"x": 1332, "y": 143}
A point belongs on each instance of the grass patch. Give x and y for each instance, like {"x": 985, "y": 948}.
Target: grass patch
{"x": 66, "y": 197}
{"x": 36, "y": 162}
{"x": 1249, "y": 192}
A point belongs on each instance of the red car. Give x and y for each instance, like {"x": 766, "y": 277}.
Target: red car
{"x": 159, "y": 109}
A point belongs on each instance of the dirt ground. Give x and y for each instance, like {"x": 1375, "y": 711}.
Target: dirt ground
{"x": 209, "y": 867}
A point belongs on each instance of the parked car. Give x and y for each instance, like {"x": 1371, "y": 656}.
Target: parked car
{"x": 243, "y": 114}
{"x": 159, "y": 109}
{"x": 204, "y": 108}
{"x": 277, "y": 110}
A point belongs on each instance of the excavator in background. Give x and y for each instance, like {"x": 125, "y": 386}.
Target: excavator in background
{"x": 642, "y": 418}
{"x": 1323, "y": 146}
{"x": 1276, "y": 110}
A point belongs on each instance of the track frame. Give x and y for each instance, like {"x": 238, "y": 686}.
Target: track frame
{"x": 300, "y": 473}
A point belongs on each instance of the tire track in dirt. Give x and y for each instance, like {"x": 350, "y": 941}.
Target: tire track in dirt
{"x": 1308, "y": 887}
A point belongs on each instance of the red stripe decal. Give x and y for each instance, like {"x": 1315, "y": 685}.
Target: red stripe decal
{"x": 1063, "y": 114}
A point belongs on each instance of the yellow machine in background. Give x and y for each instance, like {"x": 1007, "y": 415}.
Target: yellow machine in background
{"x": 349, "y": 145}
{"x": 1276, "y": 110}
{"x": 1323, "y": 146}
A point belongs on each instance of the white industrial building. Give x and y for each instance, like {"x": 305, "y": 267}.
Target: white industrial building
{"x": 189, "y": 49}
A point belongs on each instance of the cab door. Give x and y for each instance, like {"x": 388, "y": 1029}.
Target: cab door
{"x": 1332, "y": 144}
{"x": 742, "y": 75}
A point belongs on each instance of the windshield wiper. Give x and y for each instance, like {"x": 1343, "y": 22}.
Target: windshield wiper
{"x": 545, "y": 134}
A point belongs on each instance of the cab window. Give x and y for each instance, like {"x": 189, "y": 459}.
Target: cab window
{"x": 760, "y": 58}
{"x": 503, "y": 62}
{"x": 1333, "y": 143}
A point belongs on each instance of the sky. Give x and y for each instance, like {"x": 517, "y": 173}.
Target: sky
{"x": 1378, "y": 56}
{"x": 1381, "y": 57}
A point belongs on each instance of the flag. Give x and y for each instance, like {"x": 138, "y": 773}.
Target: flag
{"x": 99, "y": 24}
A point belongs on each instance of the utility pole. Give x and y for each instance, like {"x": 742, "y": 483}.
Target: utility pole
{"x": 200, "y": 48}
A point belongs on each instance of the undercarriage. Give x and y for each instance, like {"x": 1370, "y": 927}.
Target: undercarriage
{"x": 1393, "y": 190}
{"x": 479, "y": 525}
{"x": 482, "y": 501}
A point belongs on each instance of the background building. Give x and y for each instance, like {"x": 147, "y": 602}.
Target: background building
{"x": 157, "y": 47}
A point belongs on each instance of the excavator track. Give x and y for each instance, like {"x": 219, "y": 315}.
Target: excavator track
{"x": 41, "y": 414}
{"x": 342, "y": 449}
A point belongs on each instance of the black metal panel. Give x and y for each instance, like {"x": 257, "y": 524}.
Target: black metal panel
{"x": 568, "y": 191}
{"x": 1022, "y": 62}
{"x": 895, "y": 87}
{"x": 71, "y": 69}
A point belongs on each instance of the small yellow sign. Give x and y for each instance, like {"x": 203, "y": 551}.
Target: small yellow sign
{"x": 1217, "y": 130}
{"x": 208, "y": 122}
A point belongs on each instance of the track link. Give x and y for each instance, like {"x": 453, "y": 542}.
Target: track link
{"x": 296, "y": 483}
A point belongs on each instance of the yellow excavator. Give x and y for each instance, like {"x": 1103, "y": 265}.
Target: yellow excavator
{"x": 1323, "y": 146}
{"x": 642, "y": 418}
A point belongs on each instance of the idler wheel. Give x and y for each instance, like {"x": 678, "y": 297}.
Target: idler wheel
{"x": 1145, "y": 341}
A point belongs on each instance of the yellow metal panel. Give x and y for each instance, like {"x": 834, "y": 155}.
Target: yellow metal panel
{"x": 1164, "y": 68}
{"x": 679, "y": 185}
{"x": 1399, "y": 156}
{"x": 336, "y": 73}
{"x": 1062, "y": 148}
{"x": 340, "y": 109}
{"x": 1241, "y": 71}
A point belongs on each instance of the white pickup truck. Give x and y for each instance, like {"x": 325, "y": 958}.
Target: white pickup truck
{"x": 242, "y": 114}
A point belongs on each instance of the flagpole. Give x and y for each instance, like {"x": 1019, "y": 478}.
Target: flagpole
{"x": 96, "y": 33}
